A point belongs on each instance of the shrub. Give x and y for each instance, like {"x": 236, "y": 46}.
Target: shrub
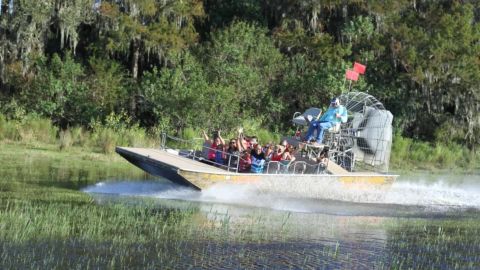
{"x": 106, "y": 139}
{"x": 65, "y": 139}
{"x": 79, "y": 136}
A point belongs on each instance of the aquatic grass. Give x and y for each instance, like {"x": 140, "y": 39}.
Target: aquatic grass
{"x": 452, "y": 244}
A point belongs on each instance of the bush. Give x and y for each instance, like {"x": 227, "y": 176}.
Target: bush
{"x": 106, "y": 139}
{"x": 79, "y": 136}
{"x": 8, "y": 129}
{"x": 65, "y": 139}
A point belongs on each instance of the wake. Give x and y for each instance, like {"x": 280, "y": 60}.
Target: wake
{"x": 411, "y": 195}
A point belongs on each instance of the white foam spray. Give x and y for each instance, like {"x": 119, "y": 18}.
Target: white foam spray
{"x": 439, "y": 194}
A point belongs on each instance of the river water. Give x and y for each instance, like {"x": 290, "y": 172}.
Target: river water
{"x": 422, "y": 221}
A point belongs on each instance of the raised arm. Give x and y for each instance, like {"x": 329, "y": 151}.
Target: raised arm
{"x": 240, "y": 141}
{"x": 205, "y": 137}
{"x": 220, "y": 137}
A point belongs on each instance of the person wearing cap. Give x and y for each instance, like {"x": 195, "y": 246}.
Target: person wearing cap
{"x": 335, "y": 114}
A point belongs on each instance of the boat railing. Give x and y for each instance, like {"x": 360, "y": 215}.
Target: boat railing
{"x": 232, "y": 160}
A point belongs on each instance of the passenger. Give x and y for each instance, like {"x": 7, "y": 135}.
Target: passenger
{"x": 288, "y": 155}
{"x": 286, "y": 159}
{"x": 232, "y": 154}
{"x": 285, "y": 144}
{"x": 212, "y": 144}
{"x": 335, "y": 114}
{"x": 248, "y": 142}
{"x": 323, "y": 157}
{"x": 277, "y": 153}
{"x": 292, "y": 150}
{"x": 322, "y": 160}
{"x": 245, "y": 162}
{"x": 219, "y": 155}
{"x": 258, "y": 159}
{"x": 268, "y": 151}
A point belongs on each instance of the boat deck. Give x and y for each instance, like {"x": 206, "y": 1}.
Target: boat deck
{"x": 171, "y": 159}
{"x": 174, "y": 160}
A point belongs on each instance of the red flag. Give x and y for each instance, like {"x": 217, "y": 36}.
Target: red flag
{"x": 359, "y": 68}
{"x": 351, "y": 75}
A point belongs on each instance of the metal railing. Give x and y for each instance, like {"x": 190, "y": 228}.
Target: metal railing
{"x": 232, "y": 161}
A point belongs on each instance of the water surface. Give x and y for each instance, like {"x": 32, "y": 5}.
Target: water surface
{"x": 422, "y": 221}
{"x": 64, "y": 215}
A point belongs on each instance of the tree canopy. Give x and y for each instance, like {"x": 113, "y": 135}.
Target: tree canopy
{"x": 214, "y": 64}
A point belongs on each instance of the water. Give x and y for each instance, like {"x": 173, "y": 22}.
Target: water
{"x": 135, "y": 221}
{"x": 422, "y": 221}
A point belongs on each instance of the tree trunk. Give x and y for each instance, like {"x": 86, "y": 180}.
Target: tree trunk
{"x": 135, "y": 58}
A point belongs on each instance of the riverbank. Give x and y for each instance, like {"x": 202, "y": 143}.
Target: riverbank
{"x": 32, "y": 133}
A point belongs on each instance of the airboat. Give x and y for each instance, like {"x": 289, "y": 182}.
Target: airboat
{"x": 358, "y": 155}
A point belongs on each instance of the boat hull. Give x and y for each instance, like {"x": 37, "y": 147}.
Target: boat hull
{"x": 200, "y": 176}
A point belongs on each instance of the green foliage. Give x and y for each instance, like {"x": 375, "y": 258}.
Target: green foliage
{"x": 65, "y": 139}
{"x": 183, "y": 95}
{"x": 241, "y": 56}
{"x": 408, "y": 153}
{"x": 107, "y": 86}
{"x": 59, "y": 91}
{"x": 118, "y": 130}
{"x": 214, "y": 64}
{"x": 29, "y": 129}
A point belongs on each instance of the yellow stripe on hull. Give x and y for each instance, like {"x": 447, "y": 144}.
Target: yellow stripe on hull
{"x": 204, "y": 180}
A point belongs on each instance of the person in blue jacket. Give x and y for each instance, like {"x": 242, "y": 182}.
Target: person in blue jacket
{"x": 335, "y": 114}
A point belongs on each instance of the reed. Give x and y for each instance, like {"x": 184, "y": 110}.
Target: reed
{"x": 408, "y": 153}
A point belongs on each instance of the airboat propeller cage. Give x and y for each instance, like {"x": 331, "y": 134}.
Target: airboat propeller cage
{"x": 370, "y": 126}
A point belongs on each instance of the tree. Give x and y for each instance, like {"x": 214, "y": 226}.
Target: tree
{"x": 243, "y": 57}
{"x": 184, "y": 95}
{"x": 146, "y": 29}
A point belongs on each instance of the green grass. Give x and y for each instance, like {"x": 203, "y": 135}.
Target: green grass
{"x": 416, "y": 155}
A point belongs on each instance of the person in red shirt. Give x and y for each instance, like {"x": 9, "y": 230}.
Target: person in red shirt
{"x": 245, "y": 162}
{"x": 217, "y": 140}
{"x": 277, "y": 153}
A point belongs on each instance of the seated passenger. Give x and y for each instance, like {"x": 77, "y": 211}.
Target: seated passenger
{"x": 268, "y": 152}
{"x": 245, "y": 162}
{"x": 219, "y": 155}
{"x": 285, "y": 144}
{"x": 231, "y": 158}
{"x": 277, "y": 153}
{"x": 217, "y": 140}
{"x": 258, "y": 159}
{"x": 335, "y": 114}
{"x": 288, "y": 156}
